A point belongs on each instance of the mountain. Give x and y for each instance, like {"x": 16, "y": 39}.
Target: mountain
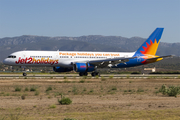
{"x": 83, "y": 43}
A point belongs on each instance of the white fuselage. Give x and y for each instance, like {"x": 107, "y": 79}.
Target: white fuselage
{"x": 59, "y": 58}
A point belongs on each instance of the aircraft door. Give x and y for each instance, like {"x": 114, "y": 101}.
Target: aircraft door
{"x": 24, "y": 55}
{"x": 57, "y": 56}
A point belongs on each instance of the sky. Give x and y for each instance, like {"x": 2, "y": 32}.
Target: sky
{"x": 74, "y": 18}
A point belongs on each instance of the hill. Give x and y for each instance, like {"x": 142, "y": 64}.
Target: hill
{"x": 83, "y": 43}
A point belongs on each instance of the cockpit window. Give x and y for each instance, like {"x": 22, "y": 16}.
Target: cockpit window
{"x": 11, "y": 56}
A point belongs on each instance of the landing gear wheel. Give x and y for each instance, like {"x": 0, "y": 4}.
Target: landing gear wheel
{"x": 83, "y": 74}
{"x": 98, "y": 74}
{"x": 95, "y": 74}
{"x": 24, "y": 74}
{"x": 80, "y": 74}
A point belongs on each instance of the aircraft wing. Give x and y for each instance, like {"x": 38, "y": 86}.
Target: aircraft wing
{"x": 113, "y": 61}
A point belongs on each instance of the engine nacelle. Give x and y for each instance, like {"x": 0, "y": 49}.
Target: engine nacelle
{"x": 83, "y": 67}
{"x": 61, "y": 69}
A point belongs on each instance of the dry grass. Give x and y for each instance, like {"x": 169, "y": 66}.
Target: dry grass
{"x": 91, "y": 99}
{"x": 172, "y": 114}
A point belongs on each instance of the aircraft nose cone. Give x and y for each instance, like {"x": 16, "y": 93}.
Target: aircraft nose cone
{"x": 5, "y": 61}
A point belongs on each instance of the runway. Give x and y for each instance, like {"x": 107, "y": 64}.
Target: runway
{"x": 66, "y": 76}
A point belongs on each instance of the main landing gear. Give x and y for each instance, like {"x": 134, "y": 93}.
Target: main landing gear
{"x": 95, "y": 74}
{"x": 85, "y": 74}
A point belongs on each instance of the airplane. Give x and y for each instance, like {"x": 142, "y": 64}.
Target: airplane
{"x": 84, "y": 62}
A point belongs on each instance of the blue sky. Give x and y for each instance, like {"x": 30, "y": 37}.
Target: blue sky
{"x": 126, "y": 18}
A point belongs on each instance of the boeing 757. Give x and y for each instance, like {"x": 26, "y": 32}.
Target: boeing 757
{"x": 84, "y": 62}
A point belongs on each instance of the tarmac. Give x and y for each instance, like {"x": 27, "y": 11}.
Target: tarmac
{"x": 65, "y": 76}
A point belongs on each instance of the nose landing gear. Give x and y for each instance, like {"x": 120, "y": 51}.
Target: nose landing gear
{"x": 23, "y": 70}
{"x": 24, "y": 74}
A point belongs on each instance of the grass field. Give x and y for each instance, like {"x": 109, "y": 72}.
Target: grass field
{"x": 92, "y": 99}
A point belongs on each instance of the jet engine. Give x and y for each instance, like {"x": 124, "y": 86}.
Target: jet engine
{"x": 83, "y": 67}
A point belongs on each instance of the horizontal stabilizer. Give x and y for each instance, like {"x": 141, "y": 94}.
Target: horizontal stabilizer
{"x": 168, "y": 56}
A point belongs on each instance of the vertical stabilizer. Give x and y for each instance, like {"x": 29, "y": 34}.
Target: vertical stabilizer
{"x": 149, "y": 47}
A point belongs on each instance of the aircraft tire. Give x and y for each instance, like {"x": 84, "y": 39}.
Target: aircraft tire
{"x": 83, "y": 74}
{"x": 95, "y": 74}
{"x": 80, "y": 74}
{"x": 98, "y": 74}
{"x": 24, "y": 74}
